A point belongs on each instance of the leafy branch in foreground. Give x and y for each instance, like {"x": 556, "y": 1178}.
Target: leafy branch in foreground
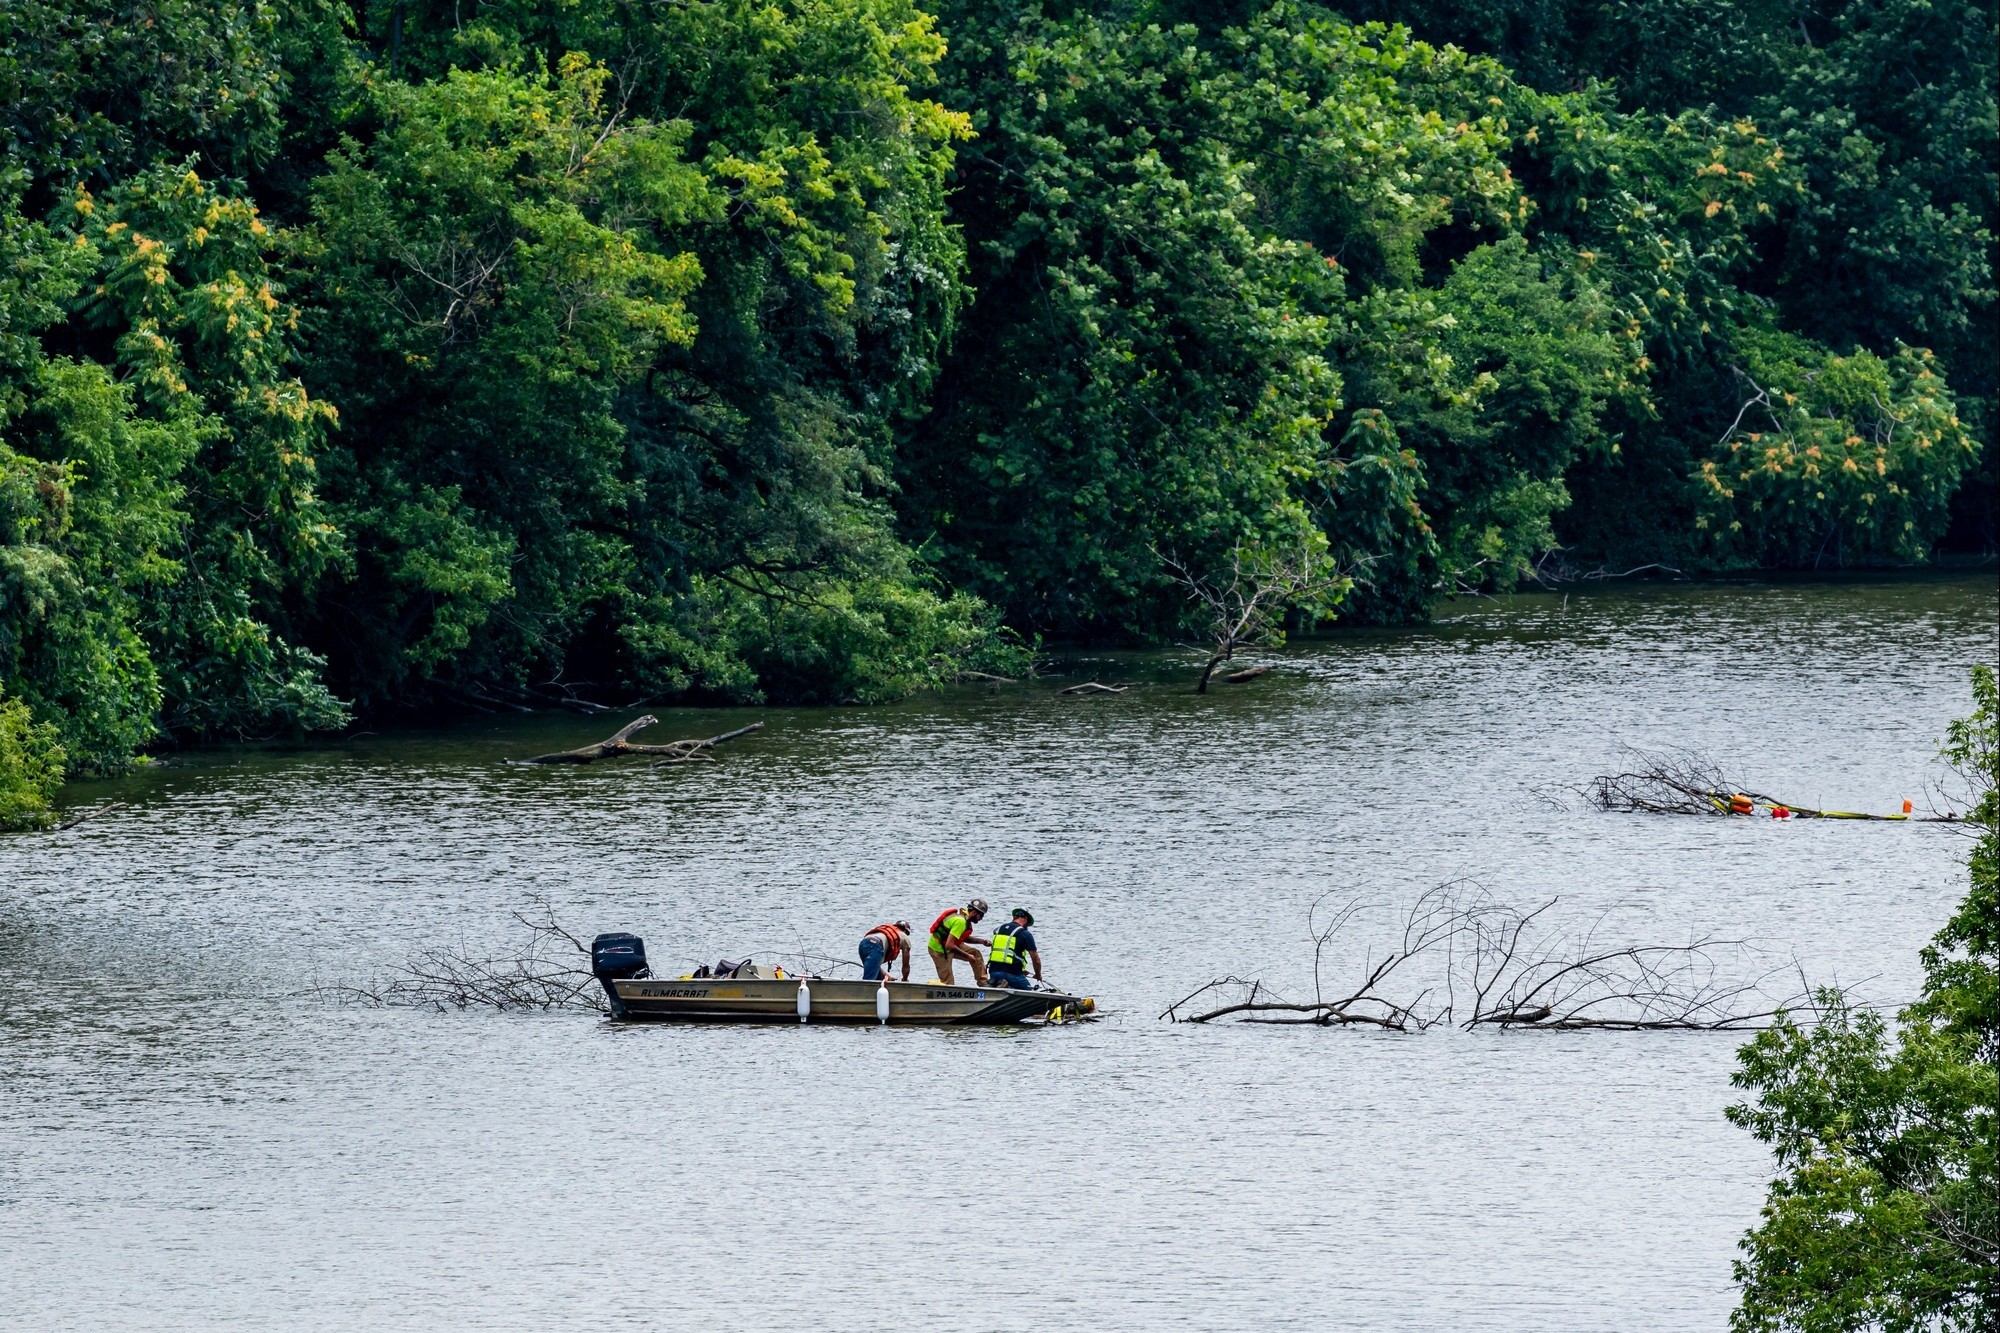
{"x": 1462, "y": 957}
{"x": 1887, "y": 1214}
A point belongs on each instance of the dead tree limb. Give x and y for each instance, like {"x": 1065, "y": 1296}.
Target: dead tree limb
{"x": 79, "y": 816}
{"x": 549, "y": 970}
{"x": 1092, "y": 687}
{"x": 1172, "y": 1011}
{"x": 986, "y": 676}
{"x": 1462, "y": 957}
{"x": 1681, "y": 782}
{"x": 1245, "y": 604}
{"x": 480, "y": 699}
{"x": 1249, "y": 673}
{"x": 621, "y": 743}
{"x": 564, "y": 697}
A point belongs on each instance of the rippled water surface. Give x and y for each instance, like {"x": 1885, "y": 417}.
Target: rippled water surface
{"x": 188, "y": 1140}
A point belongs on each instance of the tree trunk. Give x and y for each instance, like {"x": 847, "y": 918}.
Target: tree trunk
{"x": 1215, "y": 660}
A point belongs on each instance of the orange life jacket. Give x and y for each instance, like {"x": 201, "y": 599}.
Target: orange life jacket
{"x": 895, "y": 938}
{"x": 937, "y": 926}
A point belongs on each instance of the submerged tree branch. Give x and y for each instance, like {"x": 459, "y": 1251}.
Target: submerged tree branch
{"x": 1093, "y": 687}
{"x": 551, "y": 970}
{"x": 620, "y": 743}
{"x": 1462, "y": 958}
{"x": 1244, "y": 605}
{"x": 1681, "y": 782}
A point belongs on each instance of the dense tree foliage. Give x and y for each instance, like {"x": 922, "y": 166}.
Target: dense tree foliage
{"x": 1886, "y": 113}
{"x": 1888, "y": 1214}
{"x": 365, "y": 356}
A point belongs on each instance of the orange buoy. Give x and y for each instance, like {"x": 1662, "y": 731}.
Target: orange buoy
{"x": 1906, "y": 805}
{"x": 1740, "y": 804}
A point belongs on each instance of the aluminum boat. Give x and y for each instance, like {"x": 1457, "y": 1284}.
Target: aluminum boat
{"x": 756, "y": 995}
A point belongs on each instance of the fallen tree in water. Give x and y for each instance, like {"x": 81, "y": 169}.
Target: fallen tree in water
{"x": 1462, "y": 958}
{"x": 550, "y": 970}
{"x": 1684, "y": 783}
{"x": 1244, "y": 606}
{"x": 621, "y": 743}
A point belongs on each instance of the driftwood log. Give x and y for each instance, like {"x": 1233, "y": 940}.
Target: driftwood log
{"x": 1092, "y": 687}
{"x": 621, "y": 743}
{"x": 1248, "y": 673}
{"x": 79, "y": 816}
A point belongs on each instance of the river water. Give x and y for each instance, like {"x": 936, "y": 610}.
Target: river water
{"x": 188, "y": 1139}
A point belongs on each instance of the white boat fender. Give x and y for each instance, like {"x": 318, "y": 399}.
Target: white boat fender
{"x": 882, "y": 1002}
{"x": 805, "y": 1000}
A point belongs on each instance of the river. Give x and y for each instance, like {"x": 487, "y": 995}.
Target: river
{"x": 189, "y": 1139}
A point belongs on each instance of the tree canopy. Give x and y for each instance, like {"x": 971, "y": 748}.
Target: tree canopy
{"x": 366, "y": 357}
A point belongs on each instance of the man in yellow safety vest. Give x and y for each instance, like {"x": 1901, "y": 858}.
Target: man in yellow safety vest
{"x": 1014, "y": 948}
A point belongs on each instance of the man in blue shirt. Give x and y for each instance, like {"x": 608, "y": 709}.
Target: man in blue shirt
{"x": 1012, "y": 949}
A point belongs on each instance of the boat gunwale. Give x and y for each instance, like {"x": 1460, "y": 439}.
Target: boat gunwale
{"x": 995, "y": 1005}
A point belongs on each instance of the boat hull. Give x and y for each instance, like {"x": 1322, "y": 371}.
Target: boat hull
{"x": 724, "y": 1000}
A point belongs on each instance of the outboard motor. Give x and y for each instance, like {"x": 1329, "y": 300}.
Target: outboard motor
{"x": 617, "y": 957}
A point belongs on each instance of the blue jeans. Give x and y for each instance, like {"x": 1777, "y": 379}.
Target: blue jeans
{"x": 1011, "y": 980}
{"x": 871, "y": 958}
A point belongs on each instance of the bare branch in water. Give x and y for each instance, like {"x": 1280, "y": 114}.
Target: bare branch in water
{"x": 1682, "y": 782}
{"x": 551, "y": 970}
{"x": 621, "y": 743}
{"x": 76, "y": 817}
{"x": 1463, "y": 958}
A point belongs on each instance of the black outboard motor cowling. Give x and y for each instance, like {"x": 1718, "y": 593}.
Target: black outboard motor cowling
{"x": 617, "y": 957}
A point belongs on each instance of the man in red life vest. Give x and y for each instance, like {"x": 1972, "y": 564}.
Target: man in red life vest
{"x": 952, "y": 937}
{"x": 883, "y": 946}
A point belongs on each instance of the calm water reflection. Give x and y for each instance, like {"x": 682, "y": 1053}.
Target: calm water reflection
{"x": 185, "y": 1141}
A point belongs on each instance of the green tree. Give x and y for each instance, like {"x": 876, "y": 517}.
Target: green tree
{"x": 200, "y": 332}
{"x": 90, "y": 505}
{"x": 1888, "y": 116}
{"x": 1832, "y": 458}
{"x": 95, "y": 90}
{"x": 1182, "y": 240}
{"x": 1145, "y": 368}
{"x": 1544, "y": 353}
{"x": 31, "y": 768}
{"x": 1888, "y": 1214}
{"x": 489, "y": 276}
{"x": 618, "y": 391}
